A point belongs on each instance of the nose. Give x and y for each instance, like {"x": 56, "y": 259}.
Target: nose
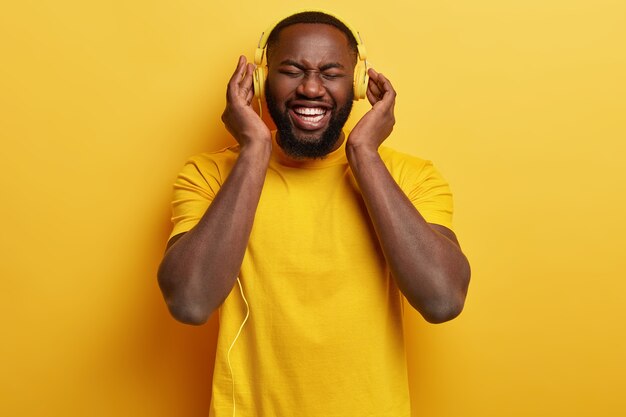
{"x": 311, "y": 86}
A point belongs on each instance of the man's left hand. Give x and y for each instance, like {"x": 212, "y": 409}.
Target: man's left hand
{"x": 376, "y": 125}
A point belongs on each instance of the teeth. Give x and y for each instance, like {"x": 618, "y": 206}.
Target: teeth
{"x": 312, "y": 119}
{"x": 310, "y": 111}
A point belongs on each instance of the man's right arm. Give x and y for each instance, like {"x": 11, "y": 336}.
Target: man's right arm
{"x": 200, "y": 267}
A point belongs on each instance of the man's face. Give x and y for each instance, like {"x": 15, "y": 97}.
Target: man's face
{"x": 309, "y": 88}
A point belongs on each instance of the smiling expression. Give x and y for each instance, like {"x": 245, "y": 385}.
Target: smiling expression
{"x": 309, "y": 88}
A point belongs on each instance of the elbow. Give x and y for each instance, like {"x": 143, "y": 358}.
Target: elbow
{"x": 183, "y": 308}
{"x": 450, "y": 302}
{"x": 442, "y": 311}
{"x": 188, "y": 314}
{"x": 446, "y": 305}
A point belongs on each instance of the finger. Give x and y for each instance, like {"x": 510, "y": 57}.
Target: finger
{"x": 385, "y": 85}
{"x": 249, "y": 96}
{"x": 374, "y": 90}
{"x": 372, "y": 97}
{"x": 374, "y": 75}
{"x": 237, "y": 75}
{"x": 382, "y": 95}
{"x": 388, "y": 92}
{"x": 239, "y": 70}
{"x": 246, "y": 80}
{"x": 246, "y": 91}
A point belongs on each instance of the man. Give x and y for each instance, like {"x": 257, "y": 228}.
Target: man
{"x": 324, "y": 232}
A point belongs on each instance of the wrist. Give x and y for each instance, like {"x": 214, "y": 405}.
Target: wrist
{"x": 361, "y": 156}
{"x": 257, "y": 150}
{"x": 361, "y": 152}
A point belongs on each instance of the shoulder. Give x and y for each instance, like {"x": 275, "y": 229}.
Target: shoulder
{"x": 214, "y": 164}
{"x": 403, "y": 166}
{"x": 425, "y": 187}
{"x": 223, "y": 156}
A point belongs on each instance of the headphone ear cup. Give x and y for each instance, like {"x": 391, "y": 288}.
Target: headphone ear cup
{"x": 258, "y": 80}
{"x": 361, "y": 78}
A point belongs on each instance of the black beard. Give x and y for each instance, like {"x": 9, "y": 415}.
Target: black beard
{"x": 303, "y": 147}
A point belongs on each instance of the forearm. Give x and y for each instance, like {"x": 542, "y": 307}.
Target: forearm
{"x": 199, "y": 270}
{"x": 429, "y": 268}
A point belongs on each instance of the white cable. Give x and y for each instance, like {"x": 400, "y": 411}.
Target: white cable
{"x": 232, "y": 376}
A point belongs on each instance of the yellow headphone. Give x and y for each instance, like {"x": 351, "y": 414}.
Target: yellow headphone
{"x": 360, "y": 71}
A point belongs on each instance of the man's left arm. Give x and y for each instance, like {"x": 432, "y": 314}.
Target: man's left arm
{"x": 425, "y": 259}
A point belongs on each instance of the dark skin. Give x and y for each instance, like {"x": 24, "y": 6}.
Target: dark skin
{"x": 312, "y": 65}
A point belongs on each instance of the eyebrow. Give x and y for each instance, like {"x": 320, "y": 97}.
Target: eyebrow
{"x": 303, "y": 68}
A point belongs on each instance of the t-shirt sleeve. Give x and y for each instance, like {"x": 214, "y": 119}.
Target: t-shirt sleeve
{"x": 423, "y": 184}
{"x": 431, "y": 195}
{"x": 194, "y": 190}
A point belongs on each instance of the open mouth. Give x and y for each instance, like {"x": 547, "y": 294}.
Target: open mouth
{"x": 309, "y": 118}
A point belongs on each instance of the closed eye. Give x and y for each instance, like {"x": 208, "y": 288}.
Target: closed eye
{"x": 332, "y": 76}
{"x": 291, "y": 73}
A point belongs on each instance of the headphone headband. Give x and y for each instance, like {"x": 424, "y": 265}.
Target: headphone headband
{"x": 258, "y": 56}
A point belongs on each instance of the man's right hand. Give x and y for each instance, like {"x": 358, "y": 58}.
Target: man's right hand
{"x": 239, "y": 117}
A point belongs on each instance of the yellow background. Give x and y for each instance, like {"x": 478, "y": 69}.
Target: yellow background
{"x": 520, "y": 104}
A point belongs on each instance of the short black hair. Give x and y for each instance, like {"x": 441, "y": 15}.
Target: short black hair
{"x": 311, "y": 17}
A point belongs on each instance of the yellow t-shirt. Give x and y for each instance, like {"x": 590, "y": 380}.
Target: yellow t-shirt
{"x": 324, "y": 336}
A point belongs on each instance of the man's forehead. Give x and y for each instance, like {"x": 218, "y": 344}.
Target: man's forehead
{"x": 306, "y": 31}
{"x": 312, "y": 37}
